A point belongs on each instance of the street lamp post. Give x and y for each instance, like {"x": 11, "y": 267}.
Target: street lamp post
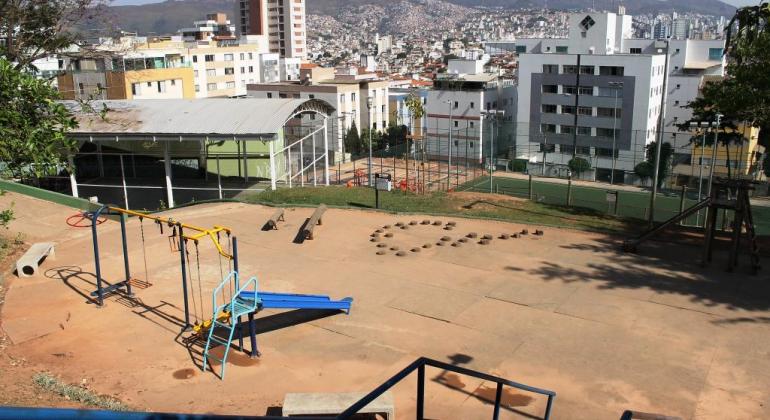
{"x": 618, "y": 86}
{"x": 369, "y": 110}
{"x": 449, "y": 153}
{"x": 494, "y": 130}
{"x": 714, "y": 146}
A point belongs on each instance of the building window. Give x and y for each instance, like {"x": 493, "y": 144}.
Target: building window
{"x": 342, "y": 97}
{"x": 471, "y": 145}
{"x": 567, "y": 129}
{"x": 568, "y": 109}
{"x": 135, "y": 88}
{"x": 456, "y": 104}
{"x": 374, "y": 125}
{"x": 549, "y": 89}
{"x": 161, "y": 87}
{"x": 353, "y": 97}
{"x": 195, "y": 59}
{"x": 521, "y": 49}
{"x": 456, "y": 124}
{"x": 611, "y": 70}
{"x": 311, "y": 96}
{"x": 585, "y": 111}
{"x": 568, "y": 69}
{"x": 635, "y": 50}
{"x": 584, "y": 131}
{"x": 570, "y": 90}
{"x": 197, "y": 88}
{"x": 230, "y": 85}
{"x": 243, "y": 70}
{"x": 211, "y": 72}
{"x": 81, "y": 88}
{"x": 606, "y": 152}
{"x": 561, "y": 49}
{"x": 382, "y": 109}
{"x": 211, "y": 86}
{"x": 229, "y": 70}
{"x": 608, "y": 112}
{"x": 676, "y": 102}
{"x": 173, "y": 82}
{"x": 472, "y": 105}
{"x": 195, "y": 73}
{"x": 550, "y": 68}
{"x": 586, "y": 69}
{"x": 149, "y": 84}
{"x": 269, "y": 95}
{"x": 544, "y": 147}
{"x": 607, "y": 132}
{"x": 251, "y": 69}
{"x": 471, "y": 124}
{"x": 548, "y": 128}
{"x": 209, "y": 57}
{"x": 243, "y": 56}
{"x": 586, "y": 90}
{"x": 228, "y": 57}
{"x": 549, "y": 109}
{"x": 715, "y": 53}
{"x": 610, "y": 92}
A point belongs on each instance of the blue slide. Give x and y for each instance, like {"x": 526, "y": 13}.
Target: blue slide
{"x": 268, "y": 300}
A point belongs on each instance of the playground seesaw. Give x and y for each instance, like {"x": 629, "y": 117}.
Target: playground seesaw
{"x": 247, "y": 300}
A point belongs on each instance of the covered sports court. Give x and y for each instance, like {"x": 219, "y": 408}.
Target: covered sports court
{"x": 162, "y": 153}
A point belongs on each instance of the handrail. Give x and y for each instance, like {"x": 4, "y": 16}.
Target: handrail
{"x": 215, "y": 308}
{"x": 239, "y": 290}
{"x": 420, "y": 364}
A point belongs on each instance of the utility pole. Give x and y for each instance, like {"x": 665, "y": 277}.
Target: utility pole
{"x": 617, "y": 86}
{"x": 449, "y": 155}
{"x": 369, "y": 109}
{"x": 659, "y": 145}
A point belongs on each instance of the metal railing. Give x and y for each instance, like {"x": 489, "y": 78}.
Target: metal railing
{"x": 419, "y": 366}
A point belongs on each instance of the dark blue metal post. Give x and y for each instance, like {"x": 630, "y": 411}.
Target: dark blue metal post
{"x": 237, "y": 286}
{"x": 95, "y": 237}
{"x": 421, "y": 392}
{"x": 253, "y": 336}
{"x": 183, "y": 255}
{"x": 498, "y": 397}
{"x": 125, "y": 252}
{"x": 548, "y": 407}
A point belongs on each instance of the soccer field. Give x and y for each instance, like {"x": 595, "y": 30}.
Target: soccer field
{"x": 629, "y": 203}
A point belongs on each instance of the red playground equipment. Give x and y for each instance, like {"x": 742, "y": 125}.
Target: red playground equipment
{"x": 358, "y": 179}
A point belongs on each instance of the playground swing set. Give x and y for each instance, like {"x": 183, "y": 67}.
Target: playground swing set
{"x": 230, "y": 300}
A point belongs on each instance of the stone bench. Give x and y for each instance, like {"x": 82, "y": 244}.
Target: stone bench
{"x": 308, "y": 404}
{"x": 27, "y": 265}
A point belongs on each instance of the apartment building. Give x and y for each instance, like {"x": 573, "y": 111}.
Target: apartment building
{"x": 216, "y": 27}
{"x": 346, "y": 90}
{"x": 283, "y": 21}
{"x": 589, "y": 95}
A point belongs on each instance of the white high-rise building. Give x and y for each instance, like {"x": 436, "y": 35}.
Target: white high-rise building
{"x": 283, "y": 21}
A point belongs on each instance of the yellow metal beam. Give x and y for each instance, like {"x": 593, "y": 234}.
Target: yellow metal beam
{"x": 202, "y": 232}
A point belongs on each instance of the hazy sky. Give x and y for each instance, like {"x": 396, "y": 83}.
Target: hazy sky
{"x": 737, "y": 3}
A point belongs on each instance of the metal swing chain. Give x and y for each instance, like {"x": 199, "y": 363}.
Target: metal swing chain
{"x": 200, "y": 288}
{"x": 192, "y": 291}
{"x": 144, "y": 251}
{"x": 221, "y": 273}
{"x": 230, "y": 262}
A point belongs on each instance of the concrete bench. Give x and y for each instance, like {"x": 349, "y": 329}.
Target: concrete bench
{"x": 272, "y": 222}
{"x": 27, "y": 265}
{"x": 314, "y": 220}
{"x": 300, "y": 404}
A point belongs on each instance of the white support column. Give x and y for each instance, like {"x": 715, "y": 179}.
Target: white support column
{"x": 288, "y": 172}
{"x": 219, "y": 179}
{"x": 123, "y": 179}
{"x": 99, "y": 160}
{"x": 272, "y": 164}
{"x": 245, "y": 161}
{"x": 167, "y": 167}
{"x": 315, "y": 175}
{"x": 73, "y": 181}
{"x": 326, "y": 152}
{"x": 301, "y": 164}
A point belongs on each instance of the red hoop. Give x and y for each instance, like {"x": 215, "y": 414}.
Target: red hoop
{"x": 83, "y": 220}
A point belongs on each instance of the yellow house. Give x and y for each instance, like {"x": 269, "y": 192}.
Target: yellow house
{"x": 742, "y": 157}
{"x": 158, "y": 83}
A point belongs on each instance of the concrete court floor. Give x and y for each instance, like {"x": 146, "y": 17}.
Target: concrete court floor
{"x": 566, "y": 311}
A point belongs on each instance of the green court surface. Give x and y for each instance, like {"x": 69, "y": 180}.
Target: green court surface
{"x": 629, "y": 203}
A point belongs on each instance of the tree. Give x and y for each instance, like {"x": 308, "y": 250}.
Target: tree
{"x": 644, "y": 170}
{"x": 666, "y": 152}
{"x": 33, "y": 125}
{"x": 743, "y": 96}
{"x": 578, "y": 165}
{"x": 33, "y": 29}
{"x": 352, "y": 140}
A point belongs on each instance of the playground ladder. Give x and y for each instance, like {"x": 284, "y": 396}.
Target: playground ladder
{"x": 236, "y": 307}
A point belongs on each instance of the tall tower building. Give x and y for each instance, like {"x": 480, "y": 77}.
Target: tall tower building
{"x": 283, "y": 21}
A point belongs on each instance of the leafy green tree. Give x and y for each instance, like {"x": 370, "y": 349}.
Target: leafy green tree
{"x": 33, "y": 29}
{"x": 743, "y": 96}
{"x": 33, "y": 125}
{"x": 666, "y": 153}
{"x": 578, "y": 165}
{"x": 644, "y": 170}
{"x": 353, "y": 140}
